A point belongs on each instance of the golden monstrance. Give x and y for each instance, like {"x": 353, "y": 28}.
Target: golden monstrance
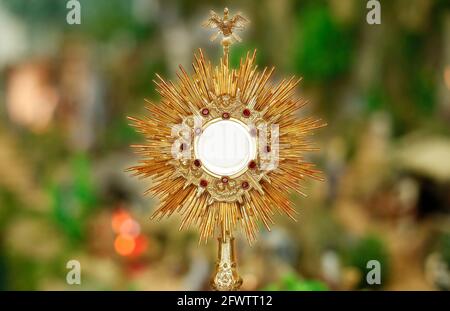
{"x": 225, "y": 147}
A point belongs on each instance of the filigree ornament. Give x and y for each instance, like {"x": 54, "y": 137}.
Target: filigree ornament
{"x": 243, "y": 95}
{"x": 226, "y": 26}
{"x": 226, "y": 276}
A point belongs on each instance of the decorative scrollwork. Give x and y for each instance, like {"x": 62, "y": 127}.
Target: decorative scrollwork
{"x": 233, "y": 190}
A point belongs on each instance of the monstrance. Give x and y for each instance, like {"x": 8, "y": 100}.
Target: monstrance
{"x": 225, "y": 148}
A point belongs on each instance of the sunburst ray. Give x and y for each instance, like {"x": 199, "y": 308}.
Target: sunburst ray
{"x": 175, "y": 182}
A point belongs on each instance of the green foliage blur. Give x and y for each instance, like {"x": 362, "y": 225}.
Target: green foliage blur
{"x": 66, "y": 91}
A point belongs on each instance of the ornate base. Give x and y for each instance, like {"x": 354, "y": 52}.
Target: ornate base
{"x": 225, "y": 277}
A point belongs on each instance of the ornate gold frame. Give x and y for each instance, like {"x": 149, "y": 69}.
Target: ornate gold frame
{"x": 252, "y": 157}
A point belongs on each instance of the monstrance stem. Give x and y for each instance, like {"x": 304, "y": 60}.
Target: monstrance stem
{"x": 226, "y": 277}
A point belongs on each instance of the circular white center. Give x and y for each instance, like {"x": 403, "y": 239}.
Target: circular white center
{"x": 225, "y": 147}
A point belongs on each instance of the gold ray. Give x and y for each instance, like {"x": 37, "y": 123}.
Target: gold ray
{"x": 268, "y": 194}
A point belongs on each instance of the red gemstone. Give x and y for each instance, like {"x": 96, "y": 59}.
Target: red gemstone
{"x": 225, "y": 115}
{"x": 205, "y": 111}
{"x": 268, "y": 149}
{"x": 197, "y": 163}
{"x": 203, "y": 183}
{"x": 224, "y": 179}
{"x": 246, "y": 113}
{"x": 245, "y": 185}
{"x": 252, "y": 165}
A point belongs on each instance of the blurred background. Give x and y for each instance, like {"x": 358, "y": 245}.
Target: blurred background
{"x": 65, "y": 92}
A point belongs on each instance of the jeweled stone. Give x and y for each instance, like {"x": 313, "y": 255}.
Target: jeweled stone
{"x": 252, "y": 165}
{"x": 245, "y": 185}
{"x": 203, "y": 183}
{"x": 246, "y": 113}
{"x": 197, "y": 163}
{"x": 225, "y": 115}
{"x": 205, "y": 111}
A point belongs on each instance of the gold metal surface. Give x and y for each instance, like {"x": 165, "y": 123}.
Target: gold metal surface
{"x": 226, "y": 27}
{"x": 201, "y": 198}
{"x": 226, "y": 277}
